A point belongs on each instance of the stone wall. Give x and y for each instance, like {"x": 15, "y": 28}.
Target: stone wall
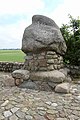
{"x": 10, "y": 66}
{"x": 44, "y": 61}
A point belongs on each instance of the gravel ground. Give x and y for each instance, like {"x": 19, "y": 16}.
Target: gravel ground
{"x": 25, "y": 104}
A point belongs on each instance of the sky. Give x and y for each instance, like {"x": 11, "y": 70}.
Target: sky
{"x": 16, "y": 15}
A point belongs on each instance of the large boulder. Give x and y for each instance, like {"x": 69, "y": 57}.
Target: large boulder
{"x": 53, "y": 76}
{"x": 43, "y": 34}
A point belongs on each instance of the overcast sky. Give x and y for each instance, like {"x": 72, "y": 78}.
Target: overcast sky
{"x": 16, "y": 15}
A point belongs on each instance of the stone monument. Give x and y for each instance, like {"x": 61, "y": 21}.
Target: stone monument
{"x": 44, "y": 47}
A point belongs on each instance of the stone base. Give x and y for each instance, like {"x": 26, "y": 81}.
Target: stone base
{"x": 54, "y": 76}
{"x": 44, "y": 61}
{"x": 42, "y": 80}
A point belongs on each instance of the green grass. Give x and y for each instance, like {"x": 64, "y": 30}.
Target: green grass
{"x": 11, "y": 56}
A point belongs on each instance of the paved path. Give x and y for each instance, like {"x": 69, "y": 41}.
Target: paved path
{"x": 23, "y": 104}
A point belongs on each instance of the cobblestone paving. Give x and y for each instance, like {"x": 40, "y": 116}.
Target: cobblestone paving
{"x": 24, "y": 104}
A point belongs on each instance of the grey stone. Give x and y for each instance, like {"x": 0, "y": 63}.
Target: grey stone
{"x": 54, "y": 104}
{"x": 28, "y": 117}
{"x": 7, "y": 113}
{"x": 28, "y": 85}
{"x": 63, "y": 88}
{"x": 22, "y": 74}
{"x": 1, "y": 117}
{"x": 5, "y": 103}
{"x": 43, "y": 34}
{"x": 14, "y": 109}
{"x": 13, "y": 117}
{"x": 20, "y": 114}
{"x": 52, "y": 85}
{"x": 53, "y": 76}
{"x": 61, "y": 118}
{"x": 65, "y": 71}
{"x": 8, "y": 81}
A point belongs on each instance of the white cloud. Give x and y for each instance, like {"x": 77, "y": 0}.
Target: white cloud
{"x": 11, "y": 35}
{"x": 20, "y": 6}
{"x": 60, "y": 14}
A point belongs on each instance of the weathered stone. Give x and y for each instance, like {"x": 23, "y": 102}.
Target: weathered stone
{"x": 43, "y": 34}
{"x": 50, "y": 61}
{"x": 18, "y": 81}
{"x": 50, "y": 67}
{"x": 51, "y": 53}
{"x": 28, "y": 85}
{"x": 5, "y": 103}
{"x": 14, "y": 109}
{"x": 52, "y": 85}
{"x": 63, "y": 88}
{"x": 7, "y": 113}
{"x": 20, "y": 114}
{"x": 22, "y": 74}
{"x": 52, "y": 112}
{"x": 65, "y": 71}
{"x": 61, "y": 118}
{"x": 8, "y": 81}
{"x": 42, "y": 63}
{"x": 54, "y": 76}
{"x": 13, "y": 117}
{"x": 28, "y": 117}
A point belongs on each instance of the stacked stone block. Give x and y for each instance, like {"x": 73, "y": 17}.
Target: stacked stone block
{"x": 44, "y": 61}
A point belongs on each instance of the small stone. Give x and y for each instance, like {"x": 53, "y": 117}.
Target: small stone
{"x": 24, "y": 109}
{"x": 61, "y": 118}
{"x": 50, "y": 67}
{"x": 20, "y": 114}
{"x": 78, "y": 97}
{"x": 50, "y": 117}
{"x": 41, "y": 112}
{"x": 50, "y": 61}
{"x": 51, "y": 53}
{"x": 52, "y": 112}
{"x": 63, "y": 88}
{"x": 28, "y": 117}
{"x": 54, "y": 104}
{"x": 38, "y": 117}
{"x": 13, "y": 117}
{"x": 15, "y": 109}
{"x": 5, "y": 103}
{"x": 18, "y": 81}
{"x": 1, "y": 116}
{"x": 55, "y": 67}
{"x": 7, "y": 113}
{"x": 41, "y": 108}
{"x": 48, "y": 103}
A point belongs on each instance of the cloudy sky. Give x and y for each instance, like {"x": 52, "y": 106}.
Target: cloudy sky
{"x": 16, "y": 15}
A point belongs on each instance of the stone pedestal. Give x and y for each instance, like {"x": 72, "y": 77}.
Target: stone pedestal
{"x": 44, "y": 61}
{"x": 44, "y": 47}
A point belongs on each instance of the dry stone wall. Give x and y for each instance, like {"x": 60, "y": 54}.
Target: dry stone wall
{"x": 10, "y": 66}
{"x": 44, "y": 61}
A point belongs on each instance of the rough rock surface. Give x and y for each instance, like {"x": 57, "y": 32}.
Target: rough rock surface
{"x": 43, "y": 34}
{"x": 21, "y": 74}
{"x": 63, "y": 88}
{"x": 54, "y": 76}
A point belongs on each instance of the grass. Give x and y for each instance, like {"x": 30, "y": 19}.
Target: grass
{"x": 11, "y": 56}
